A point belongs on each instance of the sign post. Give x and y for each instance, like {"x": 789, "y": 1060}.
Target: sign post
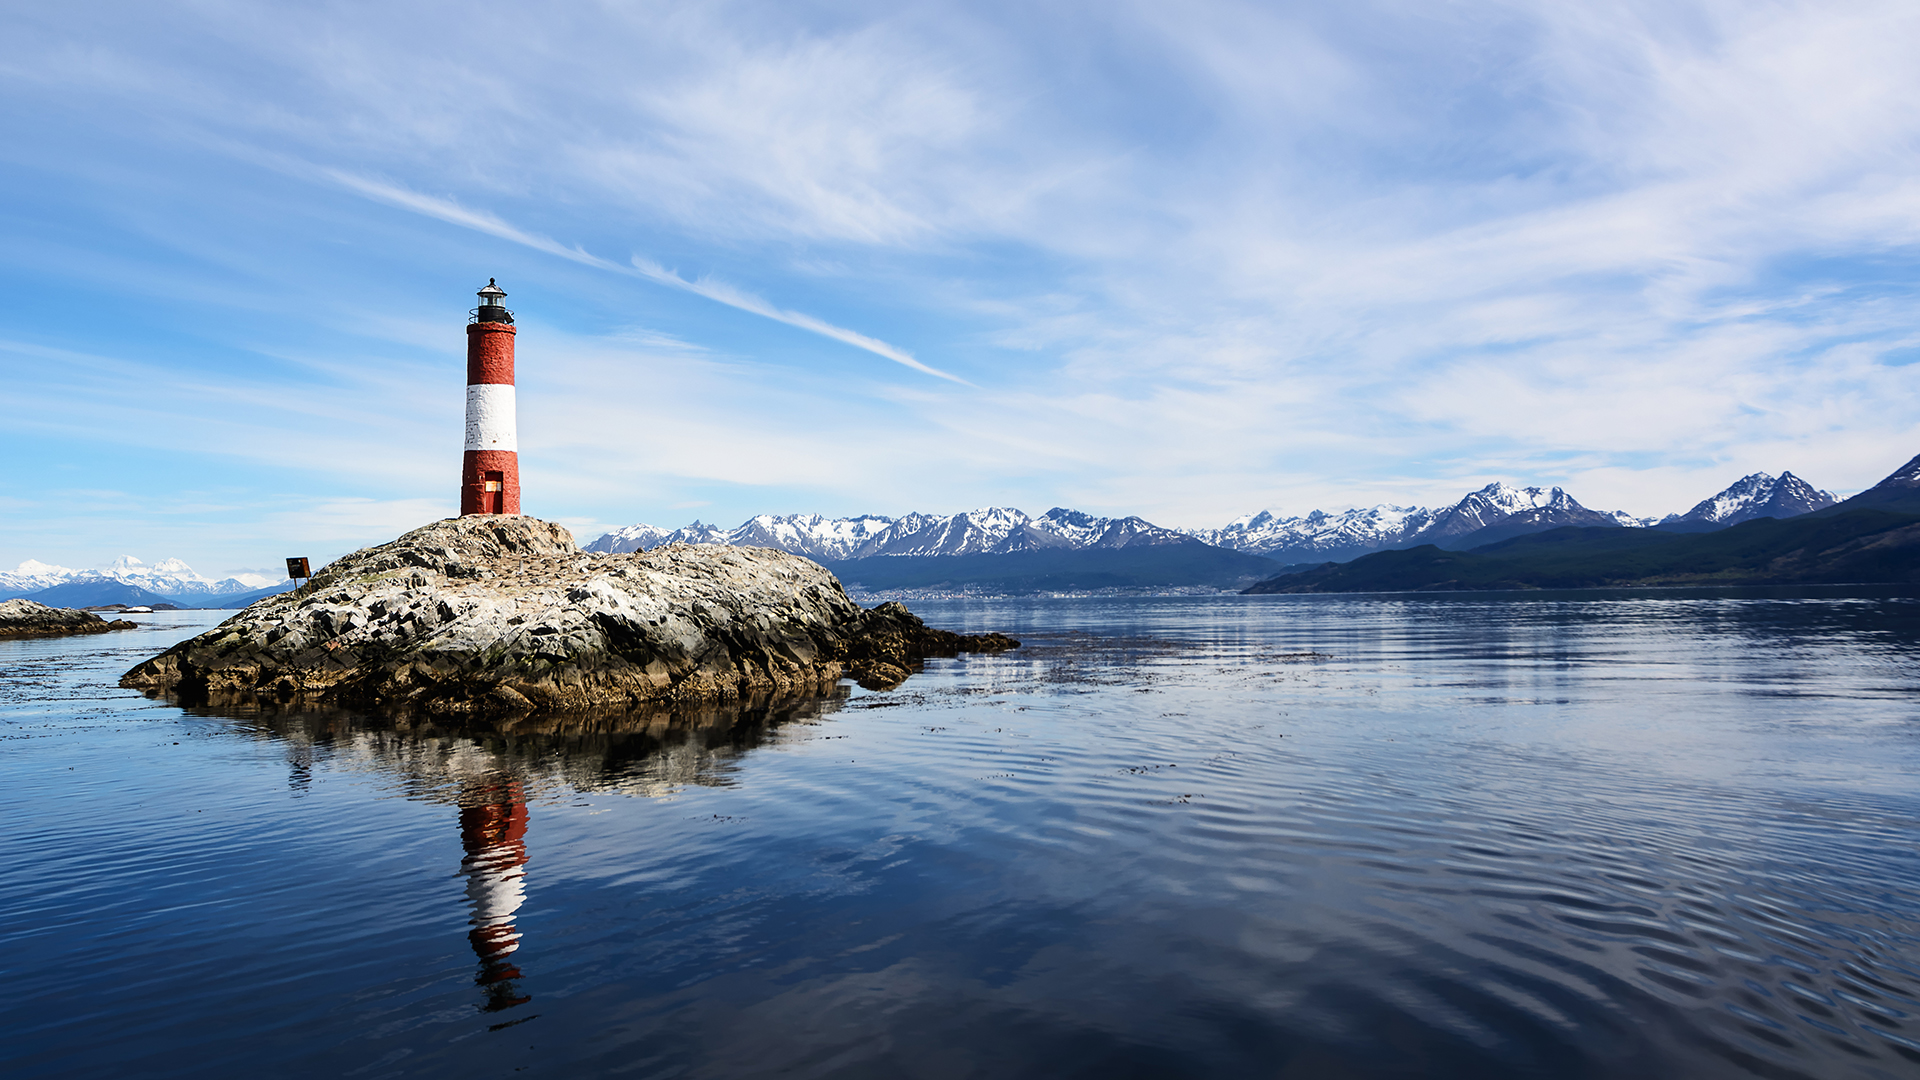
{"x": 297, "y": 569}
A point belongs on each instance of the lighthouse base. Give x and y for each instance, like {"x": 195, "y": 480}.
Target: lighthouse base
{"x": 490, "y": 482}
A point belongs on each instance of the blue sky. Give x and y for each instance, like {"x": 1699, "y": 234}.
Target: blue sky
{"x": 1184, "y": 261}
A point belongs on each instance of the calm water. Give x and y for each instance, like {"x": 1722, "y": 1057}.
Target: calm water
{"x": 1579, "y": 835}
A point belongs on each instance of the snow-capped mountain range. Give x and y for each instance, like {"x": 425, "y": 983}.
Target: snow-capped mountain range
{"x": 1495, "y": 512}
{"x": 994, "y": 530}
{"x": 1492, "y": 513}
{"x": 169, "y": 577}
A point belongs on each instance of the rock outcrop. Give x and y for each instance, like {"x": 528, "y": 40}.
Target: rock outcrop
{"x": 28, "y": 618}
{"x": 491, "y": 615}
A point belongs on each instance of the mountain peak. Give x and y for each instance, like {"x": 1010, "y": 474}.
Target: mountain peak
{"x": 1064, "y": 516}
{"x": 1758, "y": 495}
{"x": 36, "y": 568}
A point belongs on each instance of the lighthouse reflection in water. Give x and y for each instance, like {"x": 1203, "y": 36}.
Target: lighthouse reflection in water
{"x": 493, "y": 832}
{"x": 491, "y": 779}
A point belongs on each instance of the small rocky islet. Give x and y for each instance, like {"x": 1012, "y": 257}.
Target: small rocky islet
{"x": 29, "y": 618}
{"x": 490, "y": 615}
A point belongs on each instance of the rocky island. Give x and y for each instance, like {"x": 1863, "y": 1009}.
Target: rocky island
{"x": 28, "y": 618}
{"x": 502, "y": 614}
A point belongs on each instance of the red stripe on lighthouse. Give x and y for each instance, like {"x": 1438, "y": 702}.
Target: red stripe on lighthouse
{"x": 490, "y": 353}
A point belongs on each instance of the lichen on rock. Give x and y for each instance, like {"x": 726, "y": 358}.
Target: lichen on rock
{"x": 30, "y": 618}
{"x": 494, "y": 614}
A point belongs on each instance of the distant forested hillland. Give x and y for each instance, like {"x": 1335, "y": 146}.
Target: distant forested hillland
{"x": 1853, "y": 545}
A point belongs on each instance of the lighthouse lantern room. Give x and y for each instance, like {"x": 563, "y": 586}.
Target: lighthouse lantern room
{"x": 490, "y": 471}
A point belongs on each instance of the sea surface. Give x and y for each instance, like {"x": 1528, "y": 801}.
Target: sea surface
{"x": 1598, "y": 834}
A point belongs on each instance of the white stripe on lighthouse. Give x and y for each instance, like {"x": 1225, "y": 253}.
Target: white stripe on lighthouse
{"x": 490, "y": 417}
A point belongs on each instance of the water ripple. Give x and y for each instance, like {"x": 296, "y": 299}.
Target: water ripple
{"x": 1583, "y": 835}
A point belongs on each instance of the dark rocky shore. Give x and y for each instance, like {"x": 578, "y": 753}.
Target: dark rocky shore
{"x": 495, "y": 615}
{"x": 27, "y": 618}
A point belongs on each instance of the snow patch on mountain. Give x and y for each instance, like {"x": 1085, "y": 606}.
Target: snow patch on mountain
{"x": 1084, "y": 530}
{"x": 646, "y": 537}
{"x": 810, "y": 535}
{"x": 992, "y": 530}
{"x": 1320, "y": 536}
{"x": 628, "y": 538}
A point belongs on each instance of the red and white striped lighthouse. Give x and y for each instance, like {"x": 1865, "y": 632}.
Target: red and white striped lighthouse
{"x": 490, "y": 473}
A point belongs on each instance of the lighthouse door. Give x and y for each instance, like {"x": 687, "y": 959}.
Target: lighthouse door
{"x": 495, "y": 493}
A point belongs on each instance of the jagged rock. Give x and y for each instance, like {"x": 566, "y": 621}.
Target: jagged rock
{"x": 492, "y": 615}
{"x": 28, "y": 618}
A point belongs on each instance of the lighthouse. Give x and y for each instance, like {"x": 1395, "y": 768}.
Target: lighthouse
{"x": 490, "y": 472}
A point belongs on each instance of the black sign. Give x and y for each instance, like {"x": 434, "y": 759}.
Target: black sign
{"x": 297, "y": 568}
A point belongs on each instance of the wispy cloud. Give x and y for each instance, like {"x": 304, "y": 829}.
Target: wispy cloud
{"x": 722, "y": 293}
{"x": 453, "y": 213}
{"x": 479, "y": 220}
